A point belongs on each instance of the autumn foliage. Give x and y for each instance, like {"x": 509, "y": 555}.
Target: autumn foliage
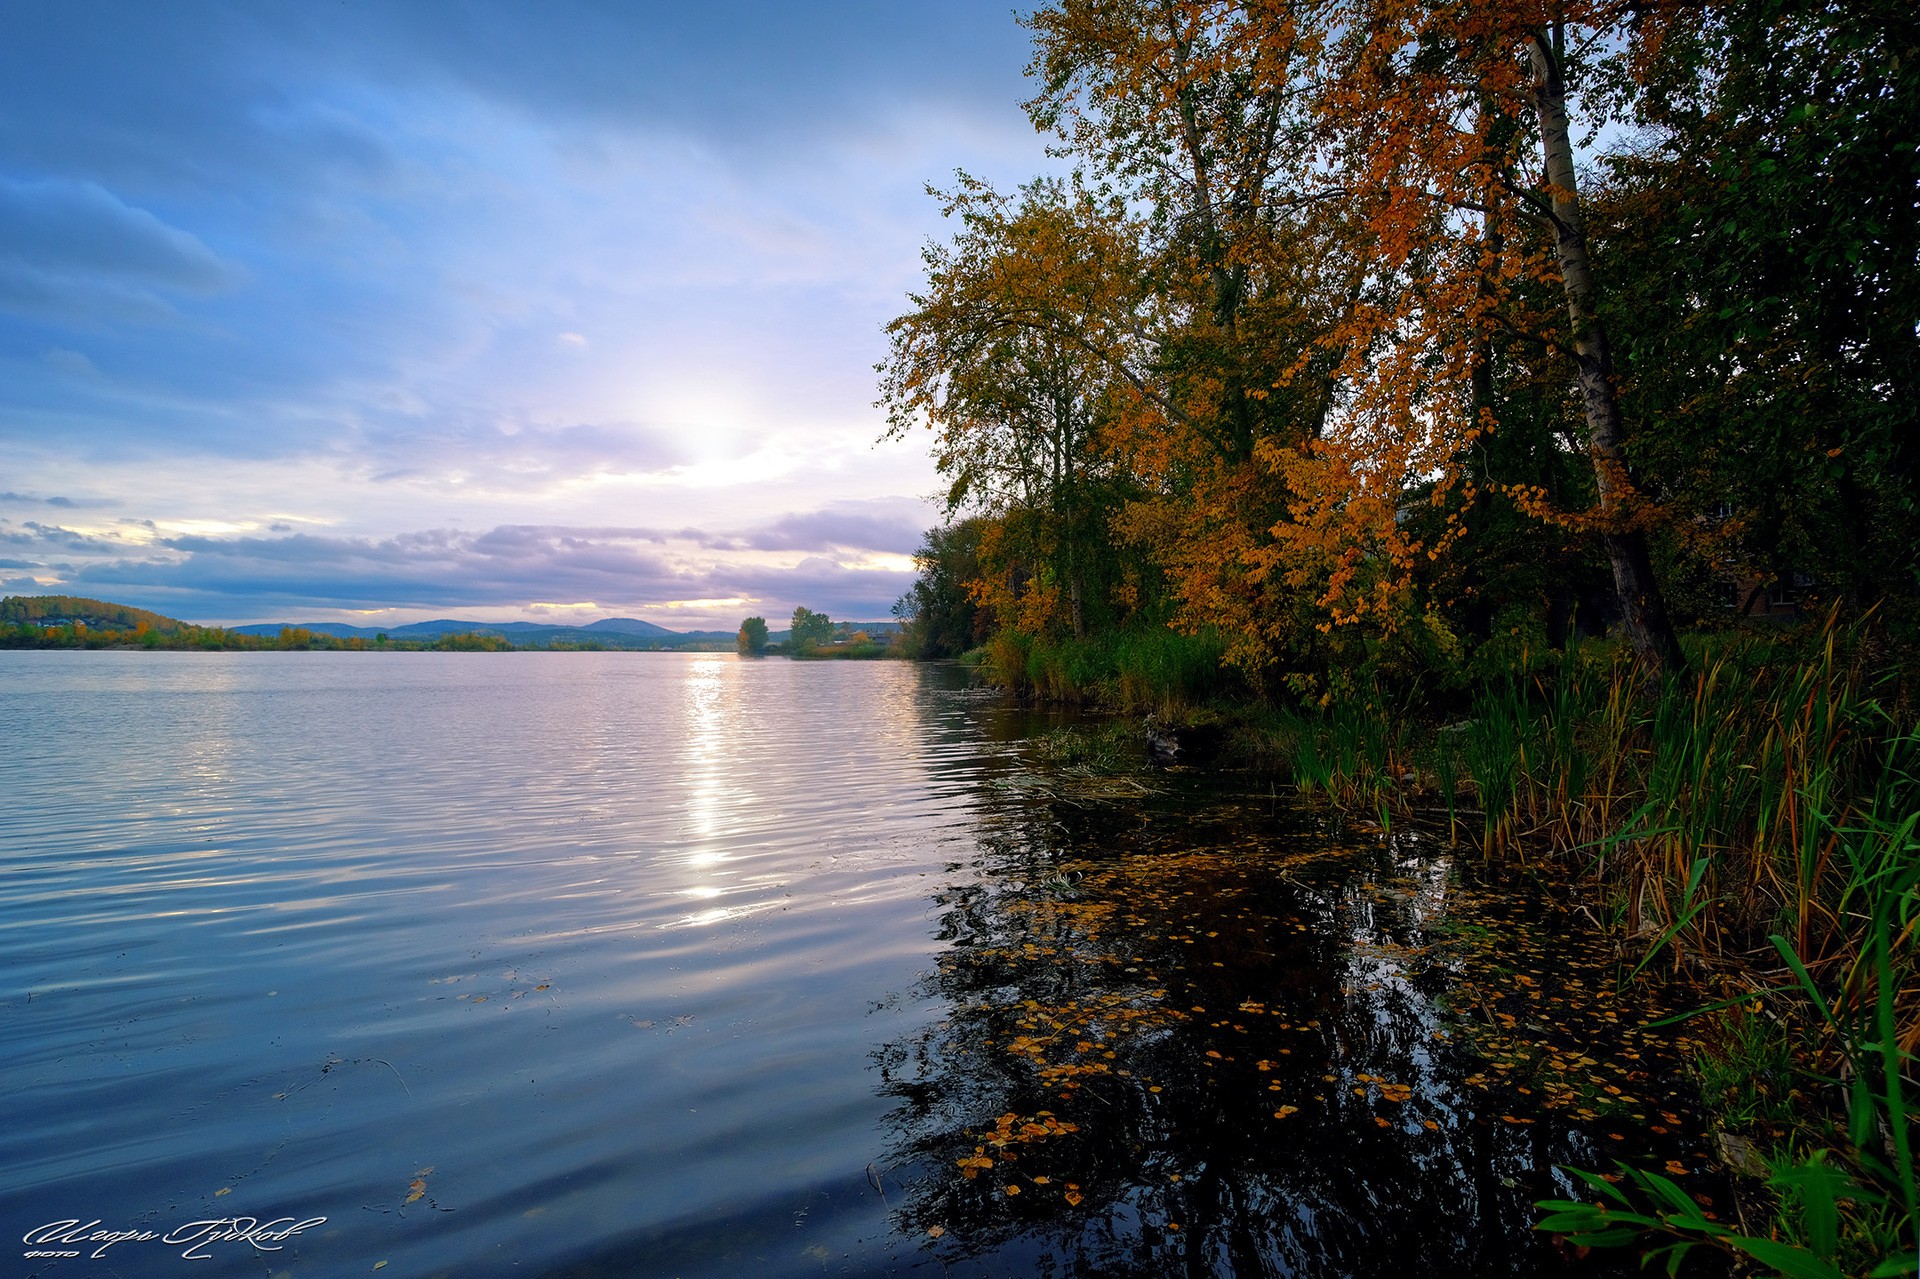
{"x": 1377, "y": 329}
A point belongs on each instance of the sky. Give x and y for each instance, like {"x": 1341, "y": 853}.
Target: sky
{"x": 376, "y": 311}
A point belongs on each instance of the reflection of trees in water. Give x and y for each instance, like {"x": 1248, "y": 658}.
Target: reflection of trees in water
{"x": 1186, "y": 1040}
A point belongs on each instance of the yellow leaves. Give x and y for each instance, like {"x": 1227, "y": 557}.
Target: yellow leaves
{"x": 972, "y": 1165}
{"x": 935, "y": 1232}
{"x": 1012, "y": 1189}
{"x": 1284, "y": 1111}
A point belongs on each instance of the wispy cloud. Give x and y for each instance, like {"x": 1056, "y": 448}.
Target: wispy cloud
{"x": 327, "y": 276}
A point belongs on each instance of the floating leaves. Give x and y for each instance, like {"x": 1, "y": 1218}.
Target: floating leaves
{"x": 1174, "y": 980}
{"x": 972, "y": 1165}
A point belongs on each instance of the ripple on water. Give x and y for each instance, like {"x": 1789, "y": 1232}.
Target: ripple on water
{"x": 597, "y": 964}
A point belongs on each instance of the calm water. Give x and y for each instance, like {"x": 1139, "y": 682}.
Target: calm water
{"x": 666, "y": 964}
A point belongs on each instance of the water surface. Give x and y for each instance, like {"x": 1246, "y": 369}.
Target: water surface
{"x": 680, "y": 964}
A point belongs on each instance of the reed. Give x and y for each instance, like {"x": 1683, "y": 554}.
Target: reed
{"x": 1753, "y": 823}
{"x": 1146, "y": 669}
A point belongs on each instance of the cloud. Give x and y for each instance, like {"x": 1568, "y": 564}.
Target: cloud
{"x": 822, "y": 584}
{"x": 72, "y": 362}
{"x": 77, "y": 301}
{"x": 508, "y": 568}
{"x": 888, "y": 525}
{"x": 551, "y": 274}
{"x": 434, "y": 568}
{"x": 53, "y": 535}
{"x": 65, "y": 503}
{"x": 65, "y": 227}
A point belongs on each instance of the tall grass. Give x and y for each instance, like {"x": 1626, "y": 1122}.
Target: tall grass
{"x": 1147, "y": 669}
{"x": 1754, "y": 822}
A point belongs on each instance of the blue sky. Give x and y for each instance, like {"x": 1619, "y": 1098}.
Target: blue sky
{"x": 379, "y": 310}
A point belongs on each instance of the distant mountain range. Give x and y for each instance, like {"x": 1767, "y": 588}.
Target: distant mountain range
{"x": 613, "y": 632}
{"x": 456, "y": 627}
{"x": 608, "y": 630}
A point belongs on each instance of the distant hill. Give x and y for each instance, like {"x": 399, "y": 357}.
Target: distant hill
{"x": 610, "y": 632}
{"x": 56, "y": 610}
{"x": 630, "y": 626}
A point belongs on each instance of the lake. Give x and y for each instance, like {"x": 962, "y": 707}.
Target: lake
{"x": 625, "y": 964}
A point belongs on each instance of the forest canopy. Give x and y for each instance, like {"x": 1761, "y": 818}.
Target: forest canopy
{"x": 1407, "y": 332}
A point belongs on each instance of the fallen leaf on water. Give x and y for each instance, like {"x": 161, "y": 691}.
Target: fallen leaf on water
{"x": 224, "y": 1190}
{"x": 936, "y": 1231}
{"x": 1013, "y": 1190}
{"x": 1284, "y": 1111}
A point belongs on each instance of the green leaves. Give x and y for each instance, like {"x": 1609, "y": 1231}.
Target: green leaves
{"x": 1672, "y": 1214}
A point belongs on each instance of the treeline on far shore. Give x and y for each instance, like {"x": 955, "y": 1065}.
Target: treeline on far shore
{"x": 69, "y": 621}
{"x": 219, "y": 639}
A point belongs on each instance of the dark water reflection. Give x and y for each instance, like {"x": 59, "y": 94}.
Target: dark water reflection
{"x": 622, "y": 964}
{"x": 1193, "y": 1035}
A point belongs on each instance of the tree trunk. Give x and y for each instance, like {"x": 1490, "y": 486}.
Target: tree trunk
{"x": 1641, "y": 606}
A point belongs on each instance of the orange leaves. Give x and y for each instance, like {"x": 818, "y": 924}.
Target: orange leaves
{"x": 972, "y": 1165}
{"x": 1010, "y": 1129}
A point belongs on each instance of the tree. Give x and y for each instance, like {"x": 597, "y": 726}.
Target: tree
{"x": 810, "y": 631}
{"x": 1016, "y": 356}
{"x": 752, "y": 639}
{"x": 1188, "y": 114}
{"x": 939, "y": 616}
{"x": 1769, "y": 294}
{"x": 1394, "y": 178}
